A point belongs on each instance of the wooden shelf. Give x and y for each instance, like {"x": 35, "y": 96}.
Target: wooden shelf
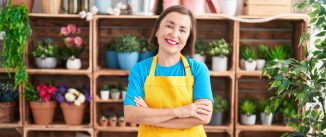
{"x": 279, "y": 128}
{"x": 2, "y": 70}
{"x": 118, "y": 129}
{"x": 97, "y": 99}
{"x": 291, "y": 16}
{"x": 54, "y": 15}
{"x": 217, "y": 129}
{"x": 58, "y": 71}
{"x": 10, "y": 125}
{"x": 112, "y": 72}
{"x": 256, "y": 73}
{"x": 221, "y": 73}
{"x": 58, "y": 126}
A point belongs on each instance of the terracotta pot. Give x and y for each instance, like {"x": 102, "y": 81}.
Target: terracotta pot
{"x": 51, "y": 6}
{"x": 104, "y": 123}
{"x": 113, "y": 122}
{"x": 43, "y": 112}
{"x": 28, "y": 3}
{"x": 73, "y": 114}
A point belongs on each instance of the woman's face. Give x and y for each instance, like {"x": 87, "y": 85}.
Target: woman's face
{"x": 173, "y": 33}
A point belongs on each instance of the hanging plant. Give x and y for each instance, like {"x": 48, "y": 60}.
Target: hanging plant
{"x": 15, "y": 23}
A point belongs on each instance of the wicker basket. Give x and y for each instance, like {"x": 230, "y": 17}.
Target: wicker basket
{"x": 7, "y": 110}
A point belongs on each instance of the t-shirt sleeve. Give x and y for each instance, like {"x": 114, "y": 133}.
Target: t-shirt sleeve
{"x": 135, "y": 86}
{"x": 202, "y": 84}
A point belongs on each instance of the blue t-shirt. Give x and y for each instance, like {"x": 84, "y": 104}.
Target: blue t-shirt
{"x": 138, "y": 74}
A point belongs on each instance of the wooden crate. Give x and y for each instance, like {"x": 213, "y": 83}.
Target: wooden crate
{"x": 11, "y": 132}
{"x": 58, "y": 132}
{"x": 266, "y": 7}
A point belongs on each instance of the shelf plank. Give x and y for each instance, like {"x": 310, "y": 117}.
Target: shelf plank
{"x": 58, "y": 126}
{"x": 54, "y": 15}
{"x": 216, "y": 129}
{"x": 292, "y": 16}
{"x": 58, "y": 71}
{"x": 277, "y": 128}
{"x": 257, "y": 73}
{"x": 113, "y": 72}
{"x": 221, "y": 73}
{"x": 10, "y": 125}
{"x": 97, "y": 99}
{"x": 118, "y": 129}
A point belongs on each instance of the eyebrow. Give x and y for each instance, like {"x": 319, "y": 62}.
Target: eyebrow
{"x": 171, "y": 22}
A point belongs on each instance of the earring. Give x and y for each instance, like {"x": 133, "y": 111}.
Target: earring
{"x": 156, "y": 35}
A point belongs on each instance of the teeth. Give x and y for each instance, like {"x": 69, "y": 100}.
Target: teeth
{"x": 171, "y": 42}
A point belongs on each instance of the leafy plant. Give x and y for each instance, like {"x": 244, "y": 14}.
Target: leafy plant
{"x": 106, "y": 87}
{"x": 127, "y": 43}
{"x": 268, "y": 106}
{"x": 262, "y": 51}
{"x": 220, "y": 104}
{"x": 145, "y": 46}
{"x": 111, "y": 46}
{"x": 45, "y": 49}
{"x": 248, "y": 53}
{"x": 201, "y": 47}
{"x": 7, "y": 92}
{"x": 305, "y": 80}
{"x": 281, "y": 52}
{"x": 219, "y": 48}
{"x": 15, "y": 23}
{"x": 42, "y": 92}
{"x": 248, "y": 107}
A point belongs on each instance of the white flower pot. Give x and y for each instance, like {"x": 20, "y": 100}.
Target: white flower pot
{"x": 242, "y": 64}
{"x": 124, "y": 95}
{"x": 260, "y": 64}
{"x": 46, "y": 63}
{"x": 266, "y": 119}
{"x": 115, "y": 95}
{"x": 199, "y": 57}
{"x": 219, "y": 63}
{"x": 250, "y": 65}
{"x": 229, "y": 7}
{"x": 105, "y": 94}
{"x": 248, "y": 119}
{"x": 73, "y": 63}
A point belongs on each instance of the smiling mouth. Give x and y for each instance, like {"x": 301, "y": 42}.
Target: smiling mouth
{"x": 171, "y": 42}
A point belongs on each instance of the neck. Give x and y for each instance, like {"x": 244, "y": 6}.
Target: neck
{"x": 167, "y": 60}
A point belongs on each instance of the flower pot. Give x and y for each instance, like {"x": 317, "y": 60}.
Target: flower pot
{"x": 111, "y": 59}
{"x": 42, "y": 112}
{"x": 127, "y": 60}
{"x": 122, "y": 123}
{"x": 196, "y": 6}
{"x": 266, "y": 119}
{"x": 216, "y": 119}
{"x": 105, "y": 94}
{"x": 73, "y": 6}
{"x": 51, "y": 6}
{"x": 242, "y": 64}
{"x": 248, "y": 119}
{"x": 145, "y": 55}
{"x": 260, "y": 64}
{"x": 143, "y": 7}
{"x": 28, "y": 3}
{"x": 219, "y": 63}
{"x": 250, "y": 65}
{"x": 199, "y": 57}
{"x": 46, "y": 63}
{"x": 124, "y": 95}
{"x": 7, "y": 110}
{"x": 72, "y": 114}
{"x": 229, "y": 7}
{"x": 103, "y": 6}
{"x": 73, "y": 63}
{"x": 169, "y": 3}
{"x": 104, "y": 123}
{"x": 115, "y": 95}
{"x": 113, "y": 122}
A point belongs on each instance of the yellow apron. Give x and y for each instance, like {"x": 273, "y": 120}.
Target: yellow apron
{"x": 169, "y": 92}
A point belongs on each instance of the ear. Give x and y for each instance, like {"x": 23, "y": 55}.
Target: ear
{"x": 156, "y": 34}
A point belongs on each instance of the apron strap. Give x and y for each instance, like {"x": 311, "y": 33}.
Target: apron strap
{"x": 184, "y": 61}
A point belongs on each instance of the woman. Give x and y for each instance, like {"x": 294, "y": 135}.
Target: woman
{"x": 170, "y": 95}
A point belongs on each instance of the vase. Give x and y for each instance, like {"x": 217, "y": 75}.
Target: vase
{"x": 28, "y": 3}
{"x": 46, "y": 63}
{"x": 266, "y": 119}
{"x": 115, "y": 95}
{"x": 51, "y": 6}
{"x": 73, "y": 6}
{"x": 229, "y": 7}
{"x": 43, "y": 113}
{"x": 73, "y": 114}
{"x": 73, "y": 63}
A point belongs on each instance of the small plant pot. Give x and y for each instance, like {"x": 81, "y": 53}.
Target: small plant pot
{"x": 122, "y": 123}
{"x": 250, "y": 65}
{"x": 219, "y": 63}
{"x": 7, "y": 110}
{"x": 266, "y": 119}
{"x": 199, "y": 57}
{"x": 133, "y": 124}
{"x": 113, "y": 123}
{"x": 73, "y": 63}
{"x": 105, "y": 94}
{"x": 260, "y": 64}
{"x": 46, "y": 63}
{"x": 124, "y": 95}
{"x": 115, "y": 95}
{"x": 216, "y": 119}
{"x": 43, "y": 113}
{"x": 248, "y": 119}
{"x": 127, "y": 60}
{"x": 112, "y": 59}
{"x": 104, "y": 123}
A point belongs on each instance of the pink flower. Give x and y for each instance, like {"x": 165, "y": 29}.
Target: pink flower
{"x": 64, "y": 31}
{"x": 71, "y": 28}
{"x": 78, "y": 41}
{"x": 69, "y": 41}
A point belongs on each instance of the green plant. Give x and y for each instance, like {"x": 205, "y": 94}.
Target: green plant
{"x": 305, "y": 80}
{"x": 111, "y": 46}
{"x": 219, "y": 48}
{"x": 201, "y": 47}
{"x": 30, "y": 93}
{"x": 220, "y": 104}
{"x": 114, "y": 90}
{"x": 45, "y": 49}
{"x": 15, "y": 23}
{"x": 268, "y": 106}
{"x": 106, "y": 87}
{"x": 7, "y": 92}
{"x": 145, "y": 46}
{"x": 262, "y": 51}
{"x": 280, "y": 52}
{"x": 127, "y": 43}
{"x": 248, "y": 53}
{"x": 248, "y": 107}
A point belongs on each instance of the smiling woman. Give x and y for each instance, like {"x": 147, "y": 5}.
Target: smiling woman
{"x": 170, "y": 95}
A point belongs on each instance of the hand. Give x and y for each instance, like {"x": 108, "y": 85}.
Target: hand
{"x": 140, "y": 102}
{"x": 194, "y": 110}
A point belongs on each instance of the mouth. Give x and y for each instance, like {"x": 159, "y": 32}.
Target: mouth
{"x": 171, "y": 42}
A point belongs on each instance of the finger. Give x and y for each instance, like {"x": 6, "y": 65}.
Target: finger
{"x": 140, "y": 103}
{"x": 201, "y": 111}
{"x": 207, "y": 108}
{"x": 205, "y": 103}
{"x": 198, "y": 116}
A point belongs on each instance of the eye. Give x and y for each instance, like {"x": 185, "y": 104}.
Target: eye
{"x": 169, "y": 26}
{"x": 183, "y": 31}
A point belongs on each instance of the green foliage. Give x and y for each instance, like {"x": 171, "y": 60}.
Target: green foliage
{"x": 112, "y": 46}
{"x": 268, "y": 106}
{"x": 127, "y": 43}
{"x": 14, "y": 22}
{"x": 219, "y": 48}
{"x": 248, "y": 53}
{"x": 8, "y": 93}
{"x": 30, "y": 93}
{"x": 280, "y": 52}
{"x": 248, "y": 107}
{"x": 220, "y": 104}
{"x": 201, "y": 47}
{"x": 106, "y": 87}
{"x": 114, "y": 90}
{"x": 145, "y": 46}
{"x": 45, "y": 49}
{"x": 262, "y": 51}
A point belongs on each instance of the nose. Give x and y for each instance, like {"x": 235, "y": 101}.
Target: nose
{"x": 175, "y": 33}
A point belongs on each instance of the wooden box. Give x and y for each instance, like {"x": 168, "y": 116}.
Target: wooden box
{"x": 266, "y": 7}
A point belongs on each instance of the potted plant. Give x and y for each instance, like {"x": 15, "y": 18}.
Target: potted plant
{"x": 280, "y": 52}
{"x": 219, "y": 50}
{"x": 248, "y": 109}
{"x": 127, "y": 51}
{"x": 73, "y": 46}
{"x": 104, "y": 121}
{"x": 288, "y": 110}
{"x": 73, "y": 103}
{"x": 220, "y": 105}
{"x": 115, "y": 93}
{"x": 16, "y": 25}
{"x": 242, "y": 61}
{"x": 200, "y": 51}
{"x": 41, "y": 102}
{"x": 262, "y": 52}
{"x": 146, "y": 51}
{"x": 8, "y": 98}
{"x": 122, "y": 122}
{"x": 249, "y": 55}
{"x": 124, "y": 92}
{"x": 267, "y": 109}
{"x": 45, "y": 55}
{"x": 113, "y": 120}
{"x": 105, "y": 92}
{"x": 111, "y": 55}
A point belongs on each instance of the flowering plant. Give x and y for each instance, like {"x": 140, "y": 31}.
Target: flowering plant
{"x": 72, "y": 95}
{"x": 42, "y": 93}
{"x": 73, "y": 41}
